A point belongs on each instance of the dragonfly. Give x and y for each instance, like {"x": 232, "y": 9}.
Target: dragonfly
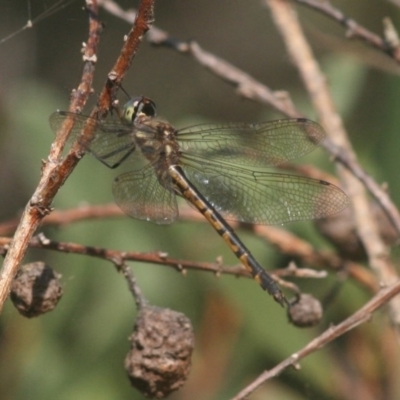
{"x": 223, "y": 170}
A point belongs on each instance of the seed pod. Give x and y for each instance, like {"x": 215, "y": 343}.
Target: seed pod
{"x": 36, "y": 289}
{"x": 159, "y": 360}
{"x": 305, "y": 311}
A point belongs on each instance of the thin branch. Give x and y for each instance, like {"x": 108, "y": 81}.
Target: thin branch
{"x": 69, "y": 216}
{"x": 286, "y": 242}
{"x": 133, "y": 286}
{"x": 379, "y": 192}
{"x": 362, "y": 315}
{"x": 141, "y": 24}
{"x": 354, "y": 29}
{"x": 159, "y": 258}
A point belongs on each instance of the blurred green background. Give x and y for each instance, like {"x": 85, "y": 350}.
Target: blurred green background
{"x": 77, "y": 351}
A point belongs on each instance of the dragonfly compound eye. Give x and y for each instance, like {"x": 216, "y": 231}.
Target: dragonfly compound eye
{"x": 146, "y": 107}
{"x": 138, "y": 106}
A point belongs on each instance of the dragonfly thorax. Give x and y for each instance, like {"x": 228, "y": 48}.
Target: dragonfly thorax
{"x": 157, "y": 142}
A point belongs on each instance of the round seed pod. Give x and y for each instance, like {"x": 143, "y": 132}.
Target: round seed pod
{"x": 305, "y": 311}
{"x": 36, "y": 289}
{"x": 159, "y": 359}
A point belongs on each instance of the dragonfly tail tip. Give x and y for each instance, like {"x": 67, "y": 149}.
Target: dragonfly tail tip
{"x": 280, "y": 298}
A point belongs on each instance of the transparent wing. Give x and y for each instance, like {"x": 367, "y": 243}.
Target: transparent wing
{"x": 140, "y": 195}
{"x": 262, "y": 197}
{"x": 253, "y": 145}
{"x": 112, "y": 142}
{"x": 227, "y": 165}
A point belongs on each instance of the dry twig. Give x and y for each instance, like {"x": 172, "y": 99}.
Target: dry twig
{"x": 55, "y": 171}
{"x": 354, "y": 29}
{"x": 315, "y": 82}
{"x": 119, "y": 258}
{"x": 359, "y": 317}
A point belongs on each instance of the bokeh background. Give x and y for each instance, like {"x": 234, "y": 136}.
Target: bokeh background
{"x": 77, "y": 351}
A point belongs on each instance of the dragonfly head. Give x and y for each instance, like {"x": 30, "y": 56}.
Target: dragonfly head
{"x": 138, "y": 106}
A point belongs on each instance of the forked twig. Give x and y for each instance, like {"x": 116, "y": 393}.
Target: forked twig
{"x": 55, "y": 171}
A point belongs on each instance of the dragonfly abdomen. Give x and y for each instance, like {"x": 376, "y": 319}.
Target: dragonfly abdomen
{"x": 191, "y": 194}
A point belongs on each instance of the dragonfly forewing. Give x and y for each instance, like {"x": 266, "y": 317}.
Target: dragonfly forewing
{"x": 252, "y": 145}
{"x": 111, "y": 143}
